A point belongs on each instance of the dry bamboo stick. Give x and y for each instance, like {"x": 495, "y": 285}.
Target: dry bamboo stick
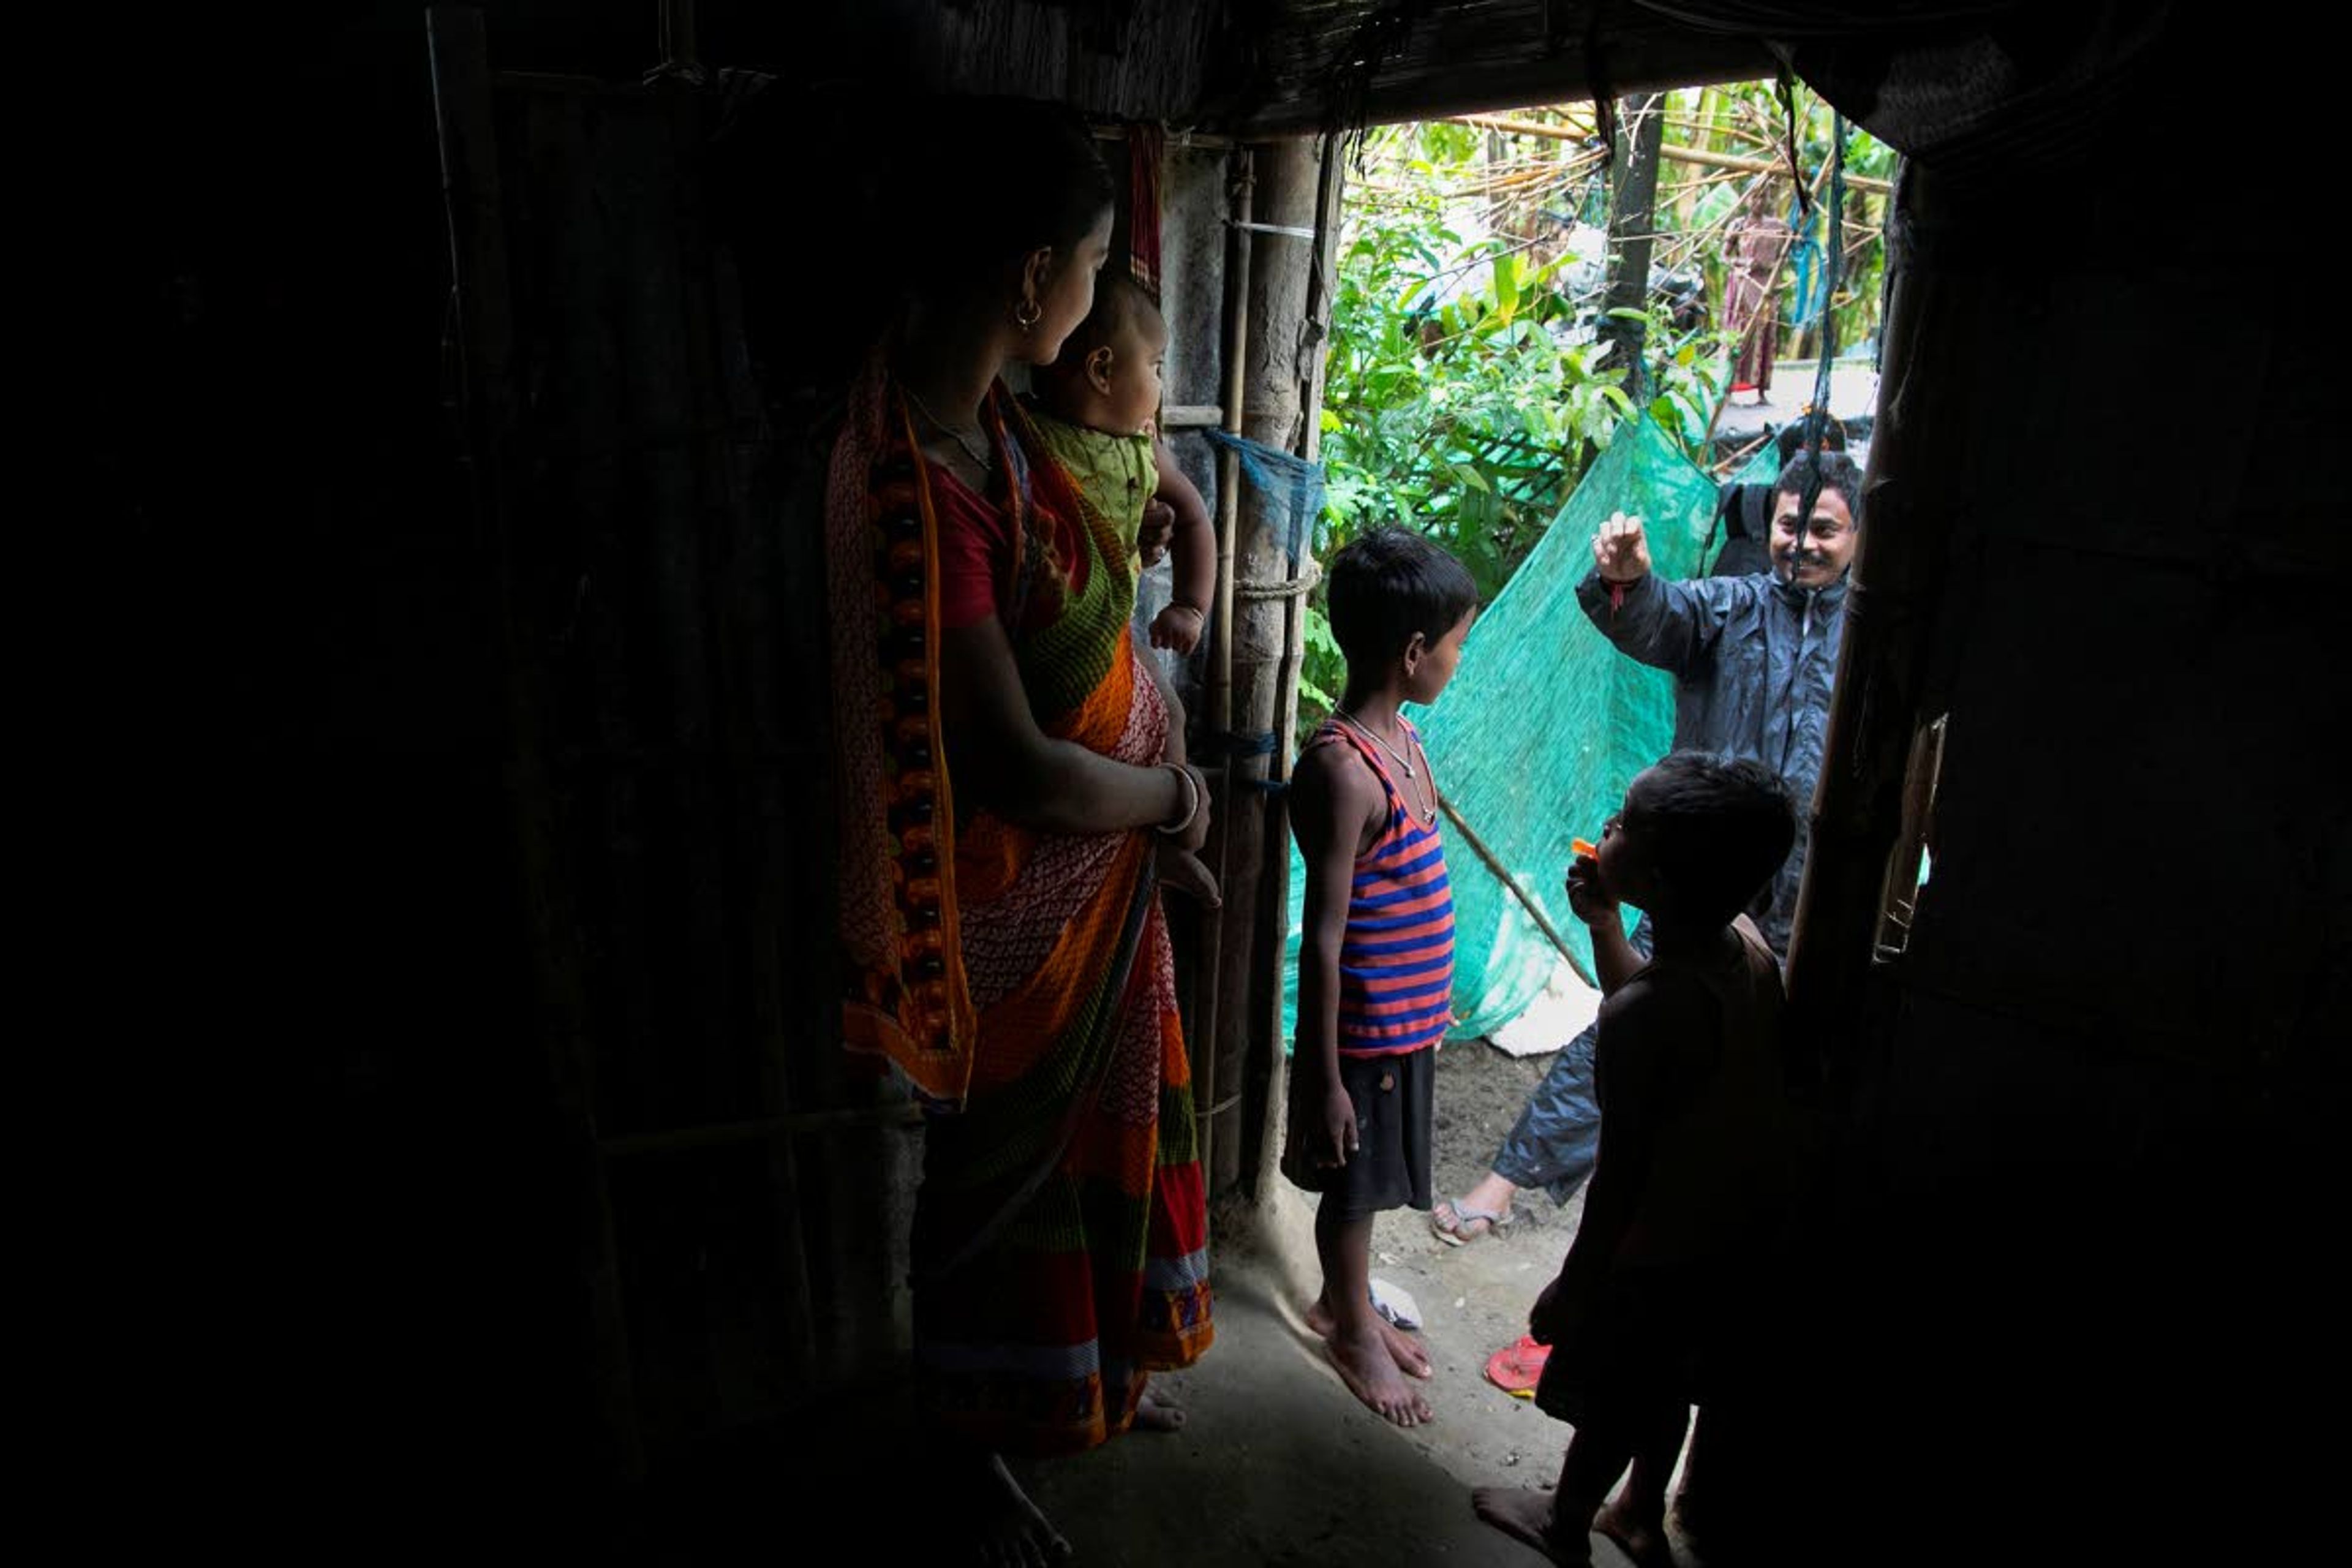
{"x": 1677, "y": 154}
{"x": 1494, "y": 863}
{"x": 1741, "y": 456}
{"x": 1221, "y": 642}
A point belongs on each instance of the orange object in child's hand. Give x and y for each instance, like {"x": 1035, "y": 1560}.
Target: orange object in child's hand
{"x": 1578, "y": 847}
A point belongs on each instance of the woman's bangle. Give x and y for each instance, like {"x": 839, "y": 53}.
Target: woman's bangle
{"x": 1199, "y": 610}
{"x": 1192, "y": 801}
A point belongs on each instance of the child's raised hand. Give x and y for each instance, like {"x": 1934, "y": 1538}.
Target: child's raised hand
{"x": 1588, "y": 900}
{"x": 1621, "y": 550}
{"x": 1178, "y": 627}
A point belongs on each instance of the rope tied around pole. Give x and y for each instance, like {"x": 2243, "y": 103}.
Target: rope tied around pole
{"x": 1309, "y": 573}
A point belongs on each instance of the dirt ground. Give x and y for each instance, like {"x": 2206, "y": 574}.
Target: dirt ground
{"x": 1278, "y": 1463}
{"x": 1479, "y": 1094}
{"x": 1474, "y": 1298}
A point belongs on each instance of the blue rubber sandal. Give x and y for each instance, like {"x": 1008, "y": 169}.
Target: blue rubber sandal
{"x": 1451, "y": 1222}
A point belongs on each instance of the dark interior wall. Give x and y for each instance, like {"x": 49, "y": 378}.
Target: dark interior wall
{"x": 388, "y": 1280}
{"x": 2068, "y": 1252}
{"x": 349, "y": 1263}
{"x": 351, "y": 1233}
{"x": 672, "y": 590}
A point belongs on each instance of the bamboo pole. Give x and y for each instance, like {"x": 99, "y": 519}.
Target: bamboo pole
{"x": 1275, "y": 933}
{"x": 1878, "y": 701}
{"x": 1311, "y": 446}
{"x": 1285, "y": 191}
{"x": 1632, "y": 228}
{"x": 1178, "y": 139}
{"x": 1210, "y": 1001}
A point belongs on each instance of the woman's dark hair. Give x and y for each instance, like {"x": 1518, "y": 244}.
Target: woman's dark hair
{"x": 1718, "y": 829}
{"x": 988, "y": 180}
{"x": 1388, "y": 584}
{"x": 836, "y": 207}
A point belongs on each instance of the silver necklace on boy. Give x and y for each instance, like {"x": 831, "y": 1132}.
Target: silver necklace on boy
{"x": 980, "y": 455}
{"x": 1428, "y": 812}
{"x": 1402, "y": 761}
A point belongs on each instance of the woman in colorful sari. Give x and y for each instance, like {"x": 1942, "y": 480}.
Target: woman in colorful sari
{"x": 1008, "y": 768}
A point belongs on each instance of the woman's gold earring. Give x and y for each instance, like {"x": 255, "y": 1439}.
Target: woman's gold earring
{"x": 1027, "y": 314}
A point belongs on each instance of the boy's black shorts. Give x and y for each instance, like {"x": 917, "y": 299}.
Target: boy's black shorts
{"x": 1389, "y": 1168}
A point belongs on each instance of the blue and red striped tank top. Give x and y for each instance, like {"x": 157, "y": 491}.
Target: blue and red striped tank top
{"x": 1396, "y": 961}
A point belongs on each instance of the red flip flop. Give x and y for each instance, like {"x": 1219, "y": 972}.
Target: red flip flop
{"x": 1517, "y": 1366}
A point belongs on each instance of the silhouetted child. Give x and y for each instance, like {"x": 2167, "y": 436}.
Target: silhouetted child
{"x": 1696, "y": 1149}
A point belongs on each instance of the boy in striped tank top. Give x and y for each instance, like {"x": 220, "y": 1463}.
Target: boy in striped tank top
{"x": 1376, "y": 960}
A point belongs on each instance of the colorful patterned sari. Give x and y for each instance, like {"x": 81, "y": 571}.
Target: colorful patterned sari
{"x": 1020, "y": 980}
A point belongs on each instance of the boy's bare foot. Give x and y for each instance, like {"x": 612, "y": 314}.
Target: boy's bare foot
{"x": 1410, "y": 1356}
{"x": 1525, "y": 1514}
{"x": 1370, "y": 1370}
{"x": 1155, "y": 1412}
{"x": 1644, "y": 1541}
{"x": 1004, "y": 1528}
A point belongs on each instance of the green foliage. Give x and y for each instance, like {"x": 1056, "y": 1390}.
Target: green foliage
{"x": 1468, "y": 390}
{"x": 1468, "y": 409}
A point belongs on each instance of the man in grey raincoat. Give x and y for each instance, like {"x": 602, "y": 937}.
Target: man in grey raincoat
{"x": 1752, "y": 659}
